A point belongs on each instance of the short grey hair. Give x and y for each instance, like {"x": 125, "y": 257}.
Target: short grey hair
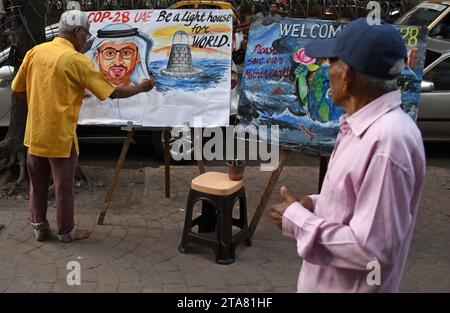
{"x": 71, "y": 19}
{"x": 379, "y": 85}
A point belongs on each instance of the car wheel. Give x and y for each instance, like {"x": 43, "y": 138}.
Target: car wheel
{"x": 177, "y": 143}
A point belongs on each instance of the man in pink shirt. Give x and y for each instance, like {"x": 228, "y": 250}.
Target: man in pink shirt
{"x": 355, "y": 235}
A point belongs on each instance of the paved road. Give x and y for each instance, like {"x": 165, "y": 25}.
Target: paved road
{"x": 136, "y": 251}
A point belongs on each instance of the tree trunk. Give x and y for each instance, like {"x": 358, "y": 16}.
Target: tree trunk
{"x": 28, "y": 30}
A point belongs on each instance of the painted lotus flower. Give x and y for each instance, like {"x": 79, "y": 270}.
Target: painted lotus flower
{"x": 302, "y": 58}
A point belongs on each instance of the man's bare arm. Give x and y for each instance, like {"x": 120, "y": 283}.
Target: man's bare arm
{"x": 129, "y": 91}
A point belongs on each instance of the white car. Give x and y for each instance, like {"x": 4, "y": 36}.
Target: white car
{"x": 435, "y": 15}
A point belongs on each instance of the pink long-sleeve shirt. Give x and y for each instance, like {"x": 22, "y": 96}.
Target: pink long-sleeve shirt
{"x": 367, "y": 207}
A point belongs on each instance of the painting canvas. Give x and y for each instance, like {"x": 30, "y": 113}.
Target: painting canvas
{"x": 282, "y": 86}
{"x": 187, "y": 52}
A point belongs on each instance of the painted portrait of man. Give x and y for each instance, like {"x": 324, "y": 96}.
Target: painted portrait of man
{"x": 121, "y": 53}
{"x": 117, "y": 61}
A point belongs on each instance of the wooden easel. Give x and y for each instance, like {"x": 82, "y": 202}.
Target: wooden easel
{"x": 272, "y": 183}
{"x": 119, "y": 165}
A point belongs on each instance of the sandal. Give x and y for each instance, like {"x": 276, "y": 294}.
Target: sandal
{"x": 74, "y": 234}
{"x": 41, "y": 230}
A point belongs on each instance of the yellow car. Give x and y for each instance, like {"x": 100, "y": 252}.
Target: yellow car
{"x": 238, "y": 35}
{"x": 207, "y": 4}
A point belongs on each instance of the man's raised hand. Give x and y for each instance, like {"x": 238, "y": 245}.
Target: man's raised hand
{"x": 277, "y": 210}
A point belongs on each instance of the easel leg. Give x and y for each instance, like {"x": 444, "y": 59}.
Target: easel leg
{"x": 113, "y": 184}
{"x": 268, "y": 192}
{"x": 208, "y": 220}
{"x": 167, "y": 157}
{"x": 198, "y": 155}
{"x": 201, "y": 166}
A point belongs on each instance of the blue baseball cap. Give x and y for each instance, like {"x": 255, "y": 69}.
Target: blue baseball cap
{"x": 369, "y": 49}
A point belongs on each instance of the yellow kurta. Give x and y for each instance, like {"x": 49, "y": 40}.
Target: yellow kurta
{"x": 54, "y": 76}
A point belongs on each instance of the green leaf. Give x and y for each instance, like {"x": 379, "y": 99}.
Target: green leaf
{"x": 312, "y": 67}
{"x": 317, "y": 86}
{"x": 300, "y": 70}
{"x": 303, "y": 88}
{"x": 324, "y": 112}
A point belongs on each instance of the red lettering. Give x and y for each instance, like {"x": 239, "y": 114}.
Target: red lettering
{"x": 91, "y": 16}
{"x": 412, "y": 58}
{"x": 259, "y": 49}
{"x": 97, "y": 17}
{"x": 106, "y": 15}
{"x": 256, "y": 48}
{"x": 143, "y": 17}
{"x": 125, "y": 17}
{"x": 116, "y": 17}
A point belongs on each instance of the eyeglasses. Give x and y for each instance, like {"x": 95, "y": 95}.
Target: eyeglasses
{"x": 125, "y": 53}
{"x": 88, "y": 34}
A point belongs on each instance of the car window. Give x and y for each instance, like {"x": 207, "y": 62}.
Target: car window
{"x": 4, "y": 57}
{"x": 209, "y": 6}
{"x": 422, "y": 16}
{"x": 236, "y": 17}
{"x": 430, "y": 57}
{"x": 440, "y": 75}
{"x": 442, "y": 30}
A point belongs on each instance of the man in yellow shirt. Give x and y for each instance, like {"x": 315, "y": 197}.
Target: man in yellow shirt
{"x": 52, "y": 78}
